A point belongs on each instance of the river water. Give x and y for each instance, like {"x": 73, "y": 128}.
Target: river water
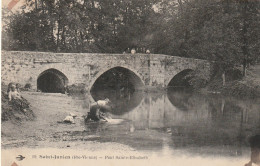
{"x": 167, "y": 123}
{"x": 178, "y": 120}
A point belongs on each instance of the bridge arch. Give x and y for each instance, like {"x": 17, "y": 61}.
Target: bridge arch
{"x": 133, "y": 76}
{"x": 180, "y": 79}
{"x": 52, "y": 81}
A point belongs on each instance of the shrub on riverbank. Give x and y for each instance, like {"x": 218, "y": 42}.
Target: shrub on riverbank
{"x": 248, "y": 86}
{"x": 15, "y": 110}
{"x": 76, "y": 89}
{"x": 241, "y": 89}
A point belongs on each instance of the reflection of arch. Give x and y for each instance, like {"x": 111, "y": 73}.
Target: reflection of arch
{"x": 180, "y": 100}
{"x": 180, "y": 79}
{"x": 52, "y": 80}
{"x": 133, "y": 76}
{"x": 119, "y": 85}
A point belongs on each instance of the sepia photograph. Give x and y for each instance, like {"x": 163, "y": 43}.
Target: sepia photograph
{"x": 130, "y": 82}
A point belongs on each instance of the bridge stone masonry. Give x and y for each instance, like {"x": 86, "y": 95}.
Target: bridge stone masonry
{"x": 152, "y": 70}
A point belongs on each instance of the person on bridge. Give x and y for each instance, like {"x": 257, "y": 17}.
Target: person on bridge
{"x": 133, "y": 51}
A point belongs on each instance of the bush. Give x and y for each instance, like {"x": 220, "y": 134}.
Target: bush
{"x": 15, "y": 110}
{"x": 27, "y": 86}
{"x": 199, "y": 78}
{"x": 79, "y": 88}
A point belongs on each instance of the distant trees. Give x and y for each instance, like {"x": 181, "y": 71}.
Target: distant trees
{"x": 225, "y": 31}
{"x": 81, "y": 25}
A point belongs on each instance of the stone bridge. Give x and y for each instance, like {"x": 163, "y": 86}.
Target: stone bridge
{"x": 147, "y": 70}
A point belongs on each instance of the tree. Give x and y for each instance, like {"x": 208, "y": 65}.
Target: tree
{"x": 225, "y": 31}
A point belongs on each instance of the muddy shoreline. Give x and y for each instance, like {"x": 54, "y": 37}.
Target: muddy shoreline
{"x": 45, "y": 132}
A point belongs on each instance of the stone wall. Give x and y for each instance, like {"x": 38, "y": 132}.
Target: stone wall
{"x": 84, "y": 68}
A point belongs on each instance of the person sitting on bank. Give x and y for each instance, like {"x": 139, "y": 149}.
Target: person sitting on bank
{"x": 9, "y": 86}
{"x": 13, "y": 93}
{"x": 18, "y": 87}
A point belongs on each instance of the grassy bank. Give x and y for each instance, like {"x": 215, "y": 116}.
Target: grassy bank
{"x": 248, "y": 86}
{"x": 15, "y": 110}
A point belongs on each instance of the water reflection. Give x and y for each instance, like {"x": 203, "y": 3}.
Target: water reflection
{"x": 121, "y": 104}
{"x": 178, "y": 120}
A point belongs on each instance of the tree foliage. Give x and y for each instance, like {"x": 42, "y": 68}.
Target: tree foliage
{"x": 225, "y": 31}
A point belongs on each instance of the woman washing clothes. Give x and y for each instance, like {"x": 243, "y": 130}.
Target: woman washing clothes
{"x": 99, "y": 111}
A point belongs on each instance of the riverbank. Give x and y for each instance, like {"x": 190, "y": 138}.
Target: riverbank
{"x": 245, "y": 87}
{"x": 16, "y": 110}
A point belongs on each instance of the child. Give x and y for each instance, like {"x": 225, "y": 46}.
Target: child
{"x": 18, "y": 86}
{"x": 13, "y": 94}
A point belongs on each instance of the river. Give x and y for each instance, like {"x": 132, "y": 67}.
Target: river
{"x": 164, "y": 123}
{"x": 207, "y": 124}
